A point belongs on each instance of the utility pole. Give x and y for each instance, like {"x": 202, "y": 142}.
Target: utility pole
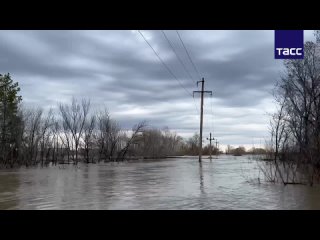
{"x": 217, "y": 145}
{"x": 201, "y": 114}
{"x": 210, "y": 139}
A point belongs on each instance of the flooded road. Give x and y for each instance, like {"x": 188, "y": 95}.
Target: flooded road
{"x": 176, "y": 183}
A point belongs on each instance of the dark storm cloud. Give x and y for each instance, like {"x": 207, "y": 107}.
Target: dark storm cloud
{"x": 118, "y": 70}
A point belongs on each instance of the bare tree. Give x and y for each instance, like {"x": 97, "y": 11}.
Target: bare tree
{"x": 136, "y": 132}
{"x": 192, "y": 144}
{"x": 88, "y": 138}
{"x": 32, "y": 135}
{"x": 45, "y": 133}
{"x": 74, "y": 117}
{"x": 295, "y": 128}
{"x": 57, "y": 153}
{"x": 47, "y": 137}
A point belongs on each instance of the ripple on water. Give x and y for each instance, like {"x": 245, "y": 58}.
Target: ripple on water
{"x": 224, "y": 183}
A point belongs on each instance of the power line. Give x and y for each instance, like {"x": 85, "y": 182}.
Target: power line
{"x": 210, "y": 116}
{"x": 195, "y": 104}
{"x": 163, "y": 63}
{"x": 194, "y": 66}
{"x": 184, "y": 66}
{"x": 212, "y": 129}
{"x": 175, "y": 52}
{"x": 201, "y": 115}
{"x": 168, "y": 69}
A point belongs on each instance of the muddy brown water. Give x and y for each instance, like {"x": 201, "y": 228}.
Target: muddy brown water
{"x": 176, "y": 183}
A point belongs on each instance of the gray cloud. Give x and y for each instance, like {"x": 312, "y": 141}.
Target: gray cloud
{"x": 117, "y": 69}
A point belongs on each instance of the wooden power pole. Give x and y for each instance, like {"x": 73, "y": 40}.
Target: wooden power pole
{"x": 210, "y": 149}
{"x": 201, "y": 114}
{"x": 217, "y": 146}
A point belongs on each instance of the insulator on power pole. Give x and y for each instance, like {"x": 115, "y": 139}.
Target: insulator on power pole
{"x": 201, "y": 114}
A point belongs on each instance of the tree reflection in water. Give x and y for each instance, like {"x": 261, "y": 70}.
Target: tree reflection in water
{"x": 8, "y": 188}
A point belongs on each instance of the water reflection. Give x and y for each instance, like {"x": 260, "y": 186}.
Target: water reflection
{"x": 181, "y": 183}
{"x": 9, "y": 184}
{"x": 201, "y": 178}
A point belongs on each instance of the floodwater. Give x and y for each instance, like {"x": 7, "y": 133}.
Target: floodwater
{"x": 176, "y": 183}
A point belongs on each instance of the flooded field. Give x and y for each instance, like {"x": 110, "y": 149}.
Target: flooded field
{"x": 176, "y": 183}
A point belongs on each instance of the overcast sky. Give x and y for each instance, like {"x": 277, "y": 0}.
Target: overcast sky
{"x": 118, "y": 70}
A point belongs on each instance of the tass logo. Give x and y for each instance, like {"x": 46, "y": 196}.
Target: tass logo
{"x": 288, "y": 44}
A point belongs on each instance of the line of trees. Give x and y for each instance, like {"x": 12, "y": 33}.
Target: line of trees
{"x": 238, "y": 151}
{"x": 294, "y": 148}
{"x": 72, "y": 133}
{"x": 191, "y": 147}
